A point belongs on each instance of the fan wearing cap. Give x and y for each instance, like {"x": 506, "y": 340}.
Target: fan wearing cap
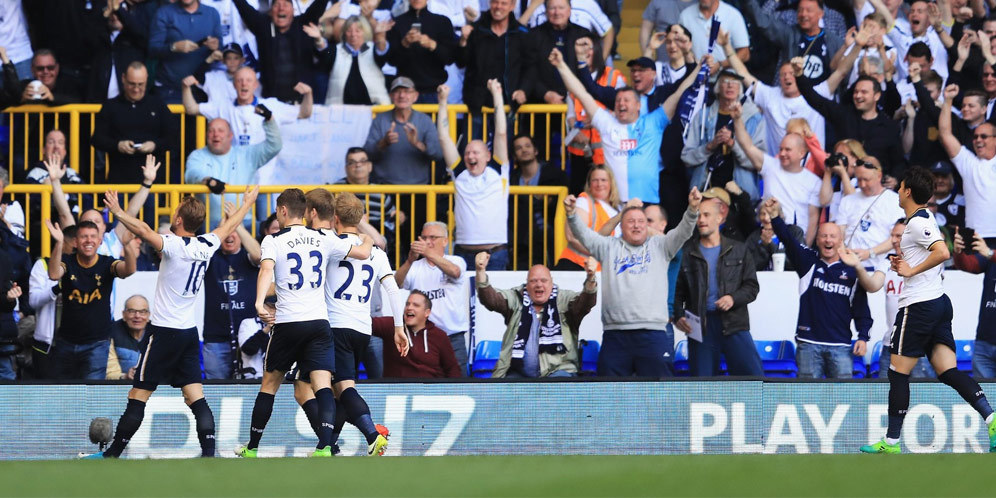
{"x": 950, "y": 203}
{"x": 736, "y": 207}
{"x": 219, "y": 84}
{"x": 710, "y": 152}
{"x": 402, "y": 143}
{"x": 631, "y": 139}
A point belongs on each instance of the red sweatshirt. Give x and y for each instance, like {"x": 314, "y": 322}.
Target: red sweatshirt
{"x": 429, "y": 356}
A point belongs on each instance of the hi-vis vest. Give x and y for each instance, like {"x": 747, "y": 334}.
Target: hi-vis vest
{"x": 596, "y": 218}
{"x": 609, "y": 77}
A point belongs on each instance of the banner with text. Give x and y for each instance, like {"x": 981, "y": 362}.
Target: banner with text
{"x": 582, "y": 418}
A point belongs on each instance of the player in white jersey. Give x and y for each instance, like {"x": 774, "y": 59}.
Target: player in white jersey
{"x": 171, "y": 347}
{"x": 923, "y": 323}
{"x": 348, "y": 289}
{"x": 295, "y": 259}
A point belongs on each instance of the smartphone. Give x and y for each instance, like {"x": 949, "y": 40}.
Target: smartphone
{"x": 417, "y": 26}
{"x": 967, "y": 236}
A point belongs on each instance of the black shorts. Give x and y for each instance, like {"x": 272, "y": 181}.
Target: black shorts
{"x": 350, "y": 348}
{"x": 169, "y": 356}
{"x": 307, "y": 343}
{"x": 920, "y": 326}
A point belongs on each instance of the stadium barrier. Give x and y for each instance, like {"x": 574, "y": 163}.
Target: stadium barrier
{"x": 166, "y": 197}
{"x": 27, "y": 125}
{"x": 481, "y": 418}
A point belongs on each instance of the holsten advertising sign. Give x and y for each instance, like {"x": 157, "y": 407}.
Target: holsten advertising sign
{"x": 515, "y": 418}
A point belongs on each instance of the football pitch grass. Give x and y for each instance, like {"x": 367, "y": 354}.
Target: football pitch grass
{"x": 512, "y": 476}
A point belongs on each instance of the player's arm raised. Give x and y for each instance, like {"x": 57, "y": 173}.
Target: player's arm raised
{"x": 228, "y": 225}
{"x": 249, "y": 243}
{"x": 134, "y": 225}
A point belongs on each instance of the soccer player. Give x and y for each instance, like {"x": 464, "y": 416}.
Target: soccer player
{"x": 923, "y": 324}
{"x": 297, "y": 257}
{"x": 348, "y": 289}
{"x": 171, "y": 347}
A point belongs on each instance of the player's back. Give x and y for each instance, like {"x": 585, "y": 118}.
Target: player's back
{"x": 300, "y": 256}
{"x": 181, "y": 274}
{"x": 350, "y": 287}
{"x": 920, "y": 234}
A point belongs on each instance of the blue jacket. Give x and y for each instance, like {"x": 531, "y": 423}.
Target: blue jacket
{"x": 829, "y": 295}
{"x": 172, "y": 24}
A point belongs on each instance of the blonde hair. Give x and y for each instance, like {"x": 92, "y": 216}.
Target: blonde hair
{"x": 857, "y": 150}
{"x": 613, "y": 199}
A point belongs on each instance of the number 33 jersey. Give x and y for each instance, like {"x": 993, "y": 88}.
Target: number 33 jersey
{"x": 351, "y": 284}
{"x": 300, "y": 256}
{"x": 181, "y": 274}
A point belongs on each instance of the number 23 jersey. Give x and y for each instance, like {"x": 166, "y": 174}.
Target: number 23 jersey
{"x": 350, "y": 285}
{"x": 299, "y": 256}
{"x": 181, "y": 274}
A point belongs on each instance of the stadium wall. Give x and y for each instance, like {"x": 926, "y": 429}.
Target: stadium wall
{"x": 713, "y": 417}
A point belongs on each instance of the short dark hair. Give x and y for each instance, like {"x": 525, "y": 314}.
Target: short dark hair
{"x": 42, "y": 52}
{"x": 932, "y": 78}
{"x": 70, "y": 231}
{"x": 979, "y": 94}
{"x": 920, "y": 49}
{"x": 428, "y": 302}
{"x": 263, "y": 225}
{"x": 876, "y": 87}
{"x": 628, "y": 88}
{"x": 920, "y": 182}
{"x": 87, "y": 224}
{"x": 322, "y": 202}
{"x": 293, "y": 199}
{"x": 525, "y": 135}
{"x": 818, "y": 2}
{"x": 356, "y": 150}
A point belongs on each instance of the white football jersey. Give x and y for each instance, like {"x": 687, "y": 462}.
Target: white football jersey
{"x": 921, "y": 233}
{"x": 351, "y": 285}
{"x": 300, "y": 256}
{"x": 181, "y": 273}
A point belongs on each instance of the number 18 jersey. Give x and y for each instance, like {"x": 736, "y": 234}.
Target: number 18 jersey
{"x": 350, "y": 285}
{"x": 181, "y": 274}
{"x": 299, "y": 256}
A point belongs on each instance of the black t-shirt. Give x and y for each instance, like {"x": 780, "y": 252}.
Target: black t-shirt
{"x": 86, "y": 300}
{"x": 230, "y": 282}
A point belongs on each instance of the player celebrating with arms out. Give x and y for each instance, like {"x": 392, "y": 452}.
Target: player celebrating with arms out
{"x": 171, "y": 347}
{"x": 923, "y": 325}
{"x": 297, "y": 256}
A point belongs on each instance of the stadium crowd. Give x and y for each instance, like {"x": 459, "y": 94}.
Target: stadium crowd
{"x": 710, "y": 161}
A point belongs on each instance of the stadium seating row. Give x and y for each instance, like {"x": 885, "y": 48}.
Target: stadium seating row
{"x": 777, "y": 357}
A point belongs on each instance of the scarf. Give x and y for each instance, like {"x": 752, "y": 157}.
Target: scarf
{"x": 551, "y": 340}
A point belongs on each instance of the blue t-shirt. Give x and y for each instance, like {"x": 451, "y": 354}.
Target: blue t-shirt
{"x": 633, "y": 152}
{"x": 711, "y": 255}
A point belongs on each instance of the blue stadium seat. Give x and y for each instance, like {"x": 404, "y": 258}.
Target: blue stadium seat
{"x": 860, "y": 369}
{"x": 963, "y": 352}
{"x": 778, "y": 358}
{"x": 681, "y": 359}
{"x": 589, "y": 357}
{"x": 485, "y": 357}
{"x": 873, "y": 369}
{"x": 361, "y": 371}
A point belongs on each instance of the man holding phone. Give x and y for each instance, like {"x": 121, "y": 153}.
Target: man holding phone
{"x": 421, "y": 44}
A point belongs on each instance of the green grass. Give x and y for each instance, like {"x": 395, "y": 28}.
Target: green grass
{"x": 741, "y": 475}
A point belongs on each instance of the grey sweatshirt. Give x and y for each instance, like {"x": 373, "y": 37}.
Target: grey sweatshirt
{"x": 634, "y": 278}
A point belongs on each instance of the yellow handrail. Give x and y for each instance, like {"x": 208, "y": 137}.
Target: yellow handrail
{"x": 170, "y": 197}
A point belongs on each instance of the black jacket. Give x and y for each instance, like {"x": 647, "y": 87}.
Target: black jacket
{"x": 306, "y": 58}
{"x": 128, "y": 47}
{"x": 736, "y": 277}
{"x": 540, "y": 76}
{"x": 15, "y": 267}
{"x": 426, "y": 68}
{"x": 67, "y": 28}
{"x": 880, "y": 136}
{"x": 488, "y": 56}
{"x": 120, "y": 119}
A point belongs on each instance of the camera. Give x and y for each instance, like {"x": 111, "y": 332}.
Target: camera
{"x": 836, "y": 159}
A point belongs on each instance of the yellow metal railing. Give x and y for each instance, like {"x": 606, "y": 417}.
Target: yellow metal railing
{"x": 166, "y": 197}
{"x": 26, "y": 120}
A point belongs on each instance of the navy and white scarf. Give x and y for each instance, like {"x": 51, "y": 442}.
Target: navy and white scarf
{"x": 551, "y": 340}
